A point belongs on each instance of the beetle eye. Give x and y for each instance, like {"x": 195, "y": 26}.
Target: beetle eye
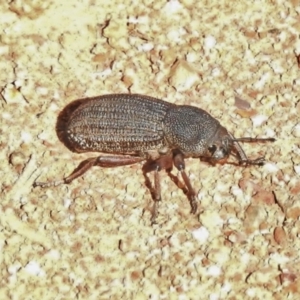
{"x": 224, "y": 152}
{"x": 212, "y": 149}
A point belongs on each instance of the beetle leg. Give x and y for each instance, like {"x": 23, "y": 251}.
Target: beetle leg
{"x": 84, "y": 166}
{"x": 117, "y": 161}
{"x": 157, "y": 195}
{"x": 242, "y": 157}
{"x": 180, "y": 165}
{"x": 163, "y": 162}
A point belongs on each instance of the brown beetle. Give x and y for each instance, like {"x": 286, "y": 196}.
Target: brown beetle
{"x": 137, "y": 128}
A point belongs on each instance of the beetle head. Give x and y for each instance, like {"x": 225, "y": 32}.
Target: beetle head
{"x": 223, "y": 143}
{"x": 220, "y": 145}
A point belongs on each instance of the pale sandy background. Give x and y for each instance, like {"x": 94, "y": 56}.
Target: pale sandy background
{"x": 92, "y": 239}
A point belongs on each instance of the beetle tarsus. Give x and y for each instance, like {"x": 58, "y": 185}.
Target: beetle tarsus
{"x": 154, "y": 213}
{"x": 49, "y": 184}
{"x": 260, "y": 161}
{"x": 194, "y": 205}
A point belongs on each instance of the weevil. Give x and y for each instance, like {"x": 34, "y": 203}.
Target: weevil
{"x": 133, "y": 128}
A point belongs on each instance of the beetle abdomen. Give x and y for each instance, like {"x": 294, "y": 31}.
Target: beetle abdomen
{"x": 119, "y": 123}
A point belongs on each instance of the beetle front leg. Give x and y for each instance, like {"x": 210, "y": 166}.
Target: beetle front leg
{"x": 84, "y": 166}
{"x": 178, "y": 160}
{"x": 242, "y": 157}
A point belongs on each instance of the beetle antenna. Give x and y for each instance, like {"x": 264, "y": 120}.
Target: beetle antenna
{"x": 253, "y": 140}
{"x": 243, "y": 159}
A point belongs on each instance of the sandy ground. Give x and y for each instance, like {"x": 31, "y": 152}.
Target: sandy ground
{"x": 92, "y": 239}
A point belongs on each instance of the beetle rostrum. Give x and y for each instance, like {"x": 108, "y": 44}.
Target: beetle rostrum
{"x": 130, "y": 128}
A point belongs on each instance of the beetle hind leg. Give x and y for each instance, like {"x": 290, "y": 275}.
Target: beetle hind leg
{"x": 84, "y": 166}
{"x": 80, "y": 170}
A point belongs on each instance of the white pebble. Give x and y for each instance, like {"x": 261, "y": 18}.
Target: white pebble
{"x": 251, "y": 293}
{"x": 258, "y": 120}
{"x": 33, "y": 268}
{"x": 296, "y": 130}
{"x": 271, "y": 167}
{"x": 215, "y": 72}
{"x": 67, "y": 202}
{"x": 146, "y": 47}
{"x": 201, "y": 234}
{"x": 236, "y": 191}
{"x": 13, "y": 269}
{"x": 173, "y": 6}
{"x": 214, "y": 271}
{"x": 214, "y": 296}
{"x": 26, "y": 137}
{"x": 297, "y": 169}
{"x": 209, "y": 42}
{"x": 54, "y": 254}
{"x": 262, "y": 81}
{"x": 226, "y": 287}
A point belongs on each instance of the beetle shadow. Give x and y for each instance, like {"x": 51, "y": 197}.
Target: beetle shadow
{"x": 62, "y": 122}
